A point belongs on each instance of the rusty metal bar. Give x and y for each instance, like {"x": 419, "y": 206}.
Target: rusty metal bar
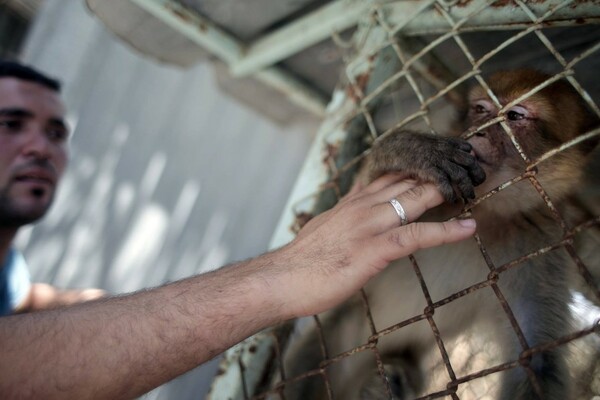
{"x": 300, "y": 34}
{"x": 500, "y": 16}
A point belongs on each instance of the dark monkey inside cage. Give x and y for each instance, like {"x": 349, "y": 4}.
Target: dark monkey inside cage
{"x": 522, "y": 120}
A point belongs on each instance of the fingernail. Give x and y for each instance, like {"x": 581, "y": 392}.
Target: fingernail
{"x": 467, "y": 223}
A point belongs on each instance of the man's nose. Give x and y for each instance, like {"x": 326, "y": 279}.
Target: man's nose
{"x": 37, "y": 144}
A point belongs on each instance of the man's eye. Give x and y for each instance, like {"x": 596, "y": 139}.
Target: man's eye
{"x": 514, "y": 116}
{"x": 11, "y": 125}
{"x": 57, "y": 134}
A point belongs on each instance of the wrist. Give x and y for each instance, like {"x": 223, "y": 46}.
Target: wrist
{"x": 252, "y": 290}
{"x": 271, "y": 274}
{"x": 283, "y": 279}
{"x": 288, "y": 282}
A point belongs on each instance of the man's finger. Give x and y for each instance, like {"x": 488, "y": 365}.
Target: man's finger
{"x": 356, "y": 187}
{"x": 394, "y": 190}
{"x": 402, "y": 241}
{"x": 415, "y": 200}
{"x": 383, "y": 182}
{"x": 419, "y": 199}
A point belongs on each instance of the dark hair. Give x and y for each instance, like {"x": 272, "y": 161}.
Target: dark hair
{"x": 15, "y": 70}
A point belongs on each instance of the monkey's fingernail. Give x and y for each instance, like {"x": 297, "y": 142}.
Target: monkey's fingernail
{"x": 467, "y": 223}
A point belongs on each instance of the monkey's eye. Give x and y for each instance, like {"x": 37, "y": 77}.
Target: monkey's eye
{"x": 514, "y": 116}
{"x": 517, "y": 113}
{"x": 481, "y": 106}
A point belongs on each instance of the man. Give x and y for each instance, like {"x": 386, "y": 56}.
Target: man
{"x": 121, "y": 347}
{"x": 29, "y": 172}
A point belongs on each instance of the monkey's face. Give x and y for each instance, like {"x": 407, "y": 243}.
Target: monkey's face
{"x": 493, "y": 147}
{"x": 539, "y": 123}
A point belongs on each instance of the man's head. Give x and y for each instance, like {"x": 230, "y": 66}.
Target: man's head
{"x": 33, "y": 143}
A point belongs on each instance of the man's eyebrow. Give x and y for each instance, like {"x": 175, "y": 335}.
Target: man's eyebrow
{"x": 23, "y": 113}
{"x": 15, "y": 112}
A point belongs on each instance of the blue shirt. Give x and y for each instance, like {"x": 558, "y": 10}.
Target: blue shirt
{"x": 15, "y": 282}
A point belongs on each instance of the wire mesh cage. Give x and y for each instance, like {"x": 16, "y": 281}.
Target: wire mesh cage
{"x": 431, "y": 327}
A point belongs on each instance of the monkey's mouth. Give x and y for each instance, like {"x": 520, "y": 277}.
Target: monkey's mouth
{"x": 479, "y": 158}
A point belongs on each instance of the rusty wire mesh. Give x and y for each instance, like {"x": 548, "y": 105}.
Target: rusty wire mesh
{"x": 421, "y": 73}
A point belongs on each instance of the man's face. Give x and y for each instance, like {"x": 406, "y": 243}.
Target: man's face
{"x": 33, "y": 150}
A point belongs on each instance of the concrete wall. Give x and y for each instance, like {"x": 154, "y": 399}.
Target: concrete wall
{"x": 168, "y": 176}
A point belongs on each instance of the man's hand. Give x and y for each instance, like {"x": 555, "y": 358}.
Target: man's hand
{"x": 337, "y": 252}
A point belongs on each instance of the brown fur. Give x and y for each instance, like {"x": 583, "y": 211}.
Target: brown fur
{"x": 511, "y": 224}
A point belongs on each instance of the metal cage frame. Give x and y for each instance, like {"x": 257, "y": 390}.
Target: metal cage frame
{"x": 381, "y": 55}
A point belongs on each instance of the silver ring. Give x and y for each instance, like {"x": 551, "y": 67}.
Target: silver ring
{"x": 400, "y": 211}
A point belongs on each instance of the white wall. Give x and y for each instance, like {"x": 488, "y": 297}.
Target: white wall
{"x": 168, "y": 176}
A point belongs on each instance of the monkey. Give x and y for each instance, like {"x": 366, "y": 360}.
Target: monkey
{"x": 511, "y": 223}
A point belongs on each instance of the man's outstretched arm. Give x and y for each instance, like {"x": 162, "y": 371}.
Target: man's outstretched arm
{"x": 121, "y": 347}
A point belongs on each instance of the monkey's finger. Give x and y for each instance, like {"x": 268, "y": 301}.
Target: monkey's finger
{"x": 469, "y": 162}
{"x": 461, "y": 144}
{"x": 444, "y": 183}
{"x": 465, "y": 188}
{"x": 461, "y": 179}
{"x": 477, "y": 174}
{"x": 464, "y": 158}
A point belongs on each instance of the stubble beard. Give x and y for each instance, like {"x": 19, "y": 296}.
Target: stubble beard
{"x": 13, "y": 216}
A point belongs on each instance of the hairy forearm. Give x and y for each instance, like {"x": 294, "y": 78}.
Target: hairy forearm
{"x": 123, "y": 346}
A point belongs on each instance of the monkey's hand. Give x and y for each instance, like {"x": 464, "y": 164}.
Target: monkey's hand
{"x": 445, "y": 161}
